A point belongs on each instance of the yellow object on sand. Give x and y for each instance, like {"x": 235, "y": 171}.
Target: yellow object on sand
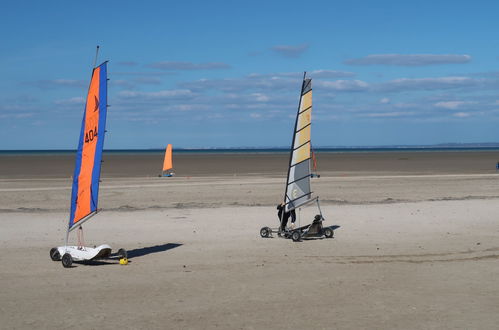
{"x": 123, "y": 261}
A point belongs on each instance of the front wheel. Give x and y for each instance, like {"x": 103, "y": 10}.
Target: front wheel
{"x": 54, "y": 254}
{"x": 328, "y": 232}
{"x": 67, "y": 260}
{"x": 296, "y": 236}
{"x": 265, "y": 232}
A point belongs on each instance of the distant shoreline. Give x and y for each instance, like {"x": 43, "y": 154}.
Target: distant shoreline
{"x": 255, "y": 150}
{"x": 435, "y": 148}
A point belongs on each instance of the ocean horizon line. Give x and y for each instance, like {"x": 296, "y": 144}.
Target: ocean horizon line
{"x": 245, "y": 149}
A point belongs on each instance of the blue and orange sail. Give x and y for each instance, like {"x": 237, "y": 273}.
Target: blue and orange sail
{"x": 85, "y": 191}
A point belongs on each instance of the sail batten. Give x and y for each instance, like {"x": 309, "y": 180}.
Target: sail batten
{"x": 303, "y": 128}
{"x": 303, "y": 202}
{"x": 298, "y": 181}
{"x": 86, "y": 178}
{"x": 310, "y": 107}
{"x": 300, "y": 162}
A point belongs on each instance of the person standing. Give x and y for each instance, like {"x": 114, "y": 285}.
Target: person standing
{"x": 283, "y": 218}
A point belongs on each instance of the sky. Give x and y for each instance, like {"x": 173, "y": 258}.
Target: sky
{"x": 205, "y": 74}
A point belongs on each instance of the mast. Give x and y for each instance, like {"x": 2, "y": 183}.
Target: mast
{"x": 96, "y": 55}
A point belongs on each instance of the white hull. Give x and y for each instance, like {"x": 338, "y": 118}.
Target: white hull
{"x": 86, "y": 253}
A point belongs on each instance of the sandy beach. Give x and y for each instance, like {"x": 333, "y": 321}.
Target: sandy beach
{"x": 416, "y": 246}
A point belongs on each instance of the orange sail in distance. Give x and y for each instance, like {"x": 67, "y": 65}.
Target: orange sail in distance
{"x": 167, "y": 163}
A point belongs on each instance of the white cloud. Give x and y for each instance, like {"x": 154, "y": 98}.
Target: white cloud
{"x": 260, "y": 97}
{"x": 164, "y": 94}
{"x": 330, "y": 74}
{"x": 404, "y": 84}
{"x": 462, "y": 114}
{"x": 128, "y": 63}
{"x": 71, "y": 101}
{"x": 290, "y": 50}
{"x": 18, "y": 111}
{"x": 452, "y": 105}
{"x": 56, "y": 83}
{"x": 16, "y": 115}
{"x": 142, "y": 73}
{"x": 384, "y": 100}
{"x": 343, "y": 85}
{"x": 314, "y": 74}
{"x": 386, "y": 114}
{"x": 188, "y": 66}
{"x": 241, "y": 84}
{"x": 148, "y": 80}
{"x": 409, "y": 59}
{"x": 121, "y": 83}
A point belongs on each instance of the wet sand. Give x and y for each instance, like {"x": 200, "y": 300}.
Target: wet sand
{"x": 261, "y": 164}
{"x": 416, "y": 245}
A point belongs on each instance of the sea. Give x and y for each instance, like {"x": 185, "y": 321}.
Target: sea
{"x": 272, "y": 150}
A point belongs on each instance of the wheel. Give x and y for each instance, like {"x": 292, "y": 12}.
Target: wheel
{"x": 67, "y": 260}
{"x": 328, "y": 232}
{"x": 296, "y": 236}
{"x": 54, "y": 254}
{"x": 122, "y": 253}
{"x": 265, "y": 232}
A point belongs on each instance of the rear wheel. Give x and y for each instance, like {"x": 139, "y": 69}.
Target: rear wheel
{"x": 328, "y": 232}
{"x": 122, "y": 253}
{"x": 67, "y": 260}
{"x": 54, "y": 254}
{"x": 265, "y": 232}
{"x": 296, "y": 236}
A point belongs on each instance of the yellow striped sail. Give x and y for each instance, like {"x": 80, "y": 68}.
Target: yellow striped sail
{"x": 298, "y": 183}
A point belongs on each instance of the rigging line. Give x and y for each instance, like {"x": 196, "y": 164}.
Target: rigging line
{"x": 96, "y": 55}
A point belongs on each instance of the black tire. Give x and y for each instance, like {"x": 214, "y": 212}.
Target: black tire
{"x": 296, "y": 236}
{"x": 265, "y": 232}
{"x": 67, "y": 260}
{"x": 328, "y": 232}
{"x": 54, "y": 254}
{"x": 122, "y": 253}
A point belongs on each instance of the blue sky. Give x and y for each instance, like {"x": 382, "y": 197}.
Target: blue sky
{"x": 227, "y": 73}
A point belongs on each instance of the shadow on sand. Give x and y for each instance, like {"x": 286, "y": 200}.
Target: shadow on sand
{"x": 131, "y": 254}
{"x": 151, "y": 249}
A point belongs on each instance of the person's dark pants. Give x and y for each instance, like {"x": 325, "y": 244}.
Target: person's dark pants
{"x": 284, "y": 223}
